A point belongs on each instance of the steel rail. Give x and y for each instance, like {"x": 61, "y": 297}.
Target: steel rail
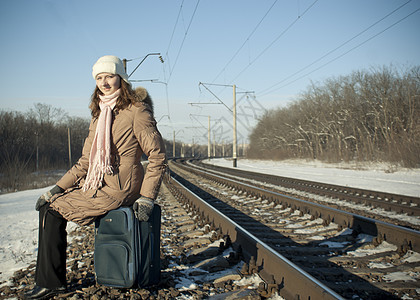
{"x": 405, "y": 238}
{"x": 387, "y": 201}
{"x": 292, "y": 281}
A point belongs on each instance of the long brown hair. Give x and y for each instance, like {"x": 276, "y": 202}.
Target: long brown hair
{"x": 127, "y": 97}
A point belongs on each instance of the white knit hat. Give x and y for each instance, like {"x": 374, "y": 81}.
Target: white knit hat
{"x": 110, "y": 64}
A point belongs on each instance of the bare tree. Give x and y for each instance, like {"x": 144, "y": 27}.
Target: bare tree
{"x": 368, "y": 115}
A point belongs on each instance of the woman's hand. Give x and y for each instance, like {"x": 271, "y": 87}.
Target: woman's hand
{"x": 143, "y": 208}
{"x": 44, "y": 199}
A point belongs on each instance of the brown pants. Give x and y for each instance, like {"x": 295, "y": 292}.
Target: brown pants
{"x": 52, "y": 244}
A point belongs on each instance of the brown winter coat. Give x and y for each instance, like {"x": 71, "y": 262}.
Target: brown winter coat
{"x": 134, "y": 132}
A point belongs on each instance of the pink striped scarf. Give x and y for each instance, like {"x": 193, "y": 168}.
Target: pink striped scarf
{"x": 100, "y": 153}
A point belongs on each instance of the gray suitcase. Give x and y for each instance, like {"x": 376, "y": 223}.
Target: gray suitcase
{"x": 127, "y": 252}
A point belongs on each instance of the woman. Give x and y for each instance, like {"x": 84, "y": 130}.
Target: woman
{"x": 108, "y": 174}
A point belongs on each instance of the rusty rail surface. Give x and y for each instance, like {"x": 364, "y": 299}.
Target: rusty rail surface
{"x": 293, "y": 282}
{"x": 397, "y": 235}
{"x": 270, "y": 215}
{"x": 387, "y": 201}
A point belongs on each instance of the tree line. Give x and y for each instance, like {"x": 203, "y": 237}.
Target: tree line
{"x": 34, "y": 148}
{"x": 369, "y": 115}
{"x": 37, "y": 143}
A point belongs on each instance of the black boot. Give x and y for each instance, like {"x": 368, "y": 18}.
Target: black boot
{"x": 43, "y": 293}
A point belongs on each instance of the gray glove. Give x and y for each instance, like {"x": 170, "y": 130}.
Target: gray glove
{"x": 143, "y": 208}
{"x": 44, "y": 199}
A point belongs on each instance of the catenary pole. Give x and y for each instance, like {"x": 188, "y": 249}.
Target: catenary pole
{"x": 235, "y": 141}
{"x": 208, "y": 141}
{"x": 173, "y": 147}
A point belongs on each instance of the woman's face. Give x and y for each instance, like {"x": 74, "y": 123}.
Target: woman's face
{"x": 108, "y": 83}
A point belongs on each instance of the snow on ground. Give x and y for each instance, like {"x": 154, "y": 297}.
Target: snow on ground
{"x": 19, "y": 231}
{"x": 380, "y": 177}
{"x": 19, "y": 220}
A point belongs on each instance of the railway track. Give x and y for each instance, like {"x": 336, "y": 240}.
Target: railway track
{"x": 400, "y": 210}
{"x": 196, "y": 263}
{"x": 302, "y": 249}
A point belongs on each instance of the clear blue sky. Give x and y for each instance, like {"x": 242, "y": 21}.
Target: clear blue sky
{"x": 273, "y": 48}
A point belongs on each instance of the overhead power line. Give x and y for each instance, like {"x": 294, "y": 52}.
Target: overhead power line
{"x": 172, "y": 35}
{"x": 246, "y": 40}
{"x": 275, "y": 40}
{"x": 183, "y": 40}
{"x": 345, "y": 53}
{"x": 335, "y": 49}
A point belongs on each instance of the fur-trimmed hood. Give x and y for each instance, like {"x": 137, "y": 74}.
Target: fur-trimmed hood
{"x": 143, "y": 96}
